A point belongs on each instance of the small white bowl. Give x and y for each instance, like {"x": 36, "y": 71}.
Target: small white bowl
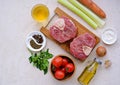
{"x": 109, "y": 36}
{"x": 30, "y": 37}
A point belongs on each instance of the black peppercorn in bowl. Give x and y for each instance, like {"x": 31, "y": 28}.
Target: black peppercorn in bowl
{"x": 35, "y": 41}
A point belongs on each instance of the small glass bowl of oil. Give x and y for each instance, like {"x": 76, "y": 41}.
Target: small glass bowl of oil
{"x": 40, "y": 12}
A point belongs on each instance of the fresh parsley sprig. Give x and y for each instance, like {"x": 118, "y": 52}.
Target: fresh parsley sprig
{"x": 40, "y": 60}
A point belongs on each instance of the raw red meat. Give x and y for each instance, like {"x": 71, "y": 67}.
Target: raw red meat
{"x": 82, "y": 45}
{"x": 63, "y": 30}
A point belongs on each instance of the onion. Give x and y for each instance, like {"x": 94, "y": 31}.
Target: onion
{"x": 101, "y": 51}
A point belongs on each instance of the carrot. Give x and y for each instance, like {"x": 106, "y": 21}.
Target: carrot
{"x": 93, "y": 7}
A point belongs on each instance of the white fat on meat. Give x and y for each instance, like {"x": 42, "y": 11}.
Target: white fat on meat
{"x": 60, "y": 23}
{"x": 86, "y": 50}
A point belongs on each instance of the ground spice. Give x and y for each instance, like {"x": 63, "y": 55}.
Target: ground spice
{"x": 34, "y": 45}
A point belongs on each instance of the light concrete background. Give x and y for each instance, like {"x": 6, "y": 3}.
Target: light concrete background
{"x": 16, "y": 22}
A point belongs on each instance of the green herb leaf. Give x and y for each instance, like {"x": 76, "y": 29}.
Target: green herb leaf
{"x": 30, "y": 59}
{"x": 45, "y": 70}
{"x": 40, "y": 60}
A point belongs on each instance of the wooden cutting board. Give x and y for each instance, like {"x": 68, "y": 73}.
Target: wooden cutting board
{"x": 81, "y": 30}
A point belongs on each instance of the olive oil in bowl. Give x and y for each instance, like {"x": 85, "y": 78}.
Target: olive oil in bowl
{"x": 40, "y": 12}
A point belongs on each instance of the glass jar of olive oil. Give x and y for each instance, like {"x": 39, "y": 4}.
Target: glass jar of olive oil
{"x": 89, "y": 72}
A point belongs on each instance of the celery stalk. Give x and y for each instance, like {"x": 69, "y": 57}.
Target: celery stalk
{"x": 78, "y": 12}
{"x": 89, "y": 13}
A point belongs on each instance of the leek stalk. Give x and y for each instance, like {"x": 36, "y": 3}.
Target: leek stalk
{"x": 78, "y": 12}
{"x": 89, "y": 13}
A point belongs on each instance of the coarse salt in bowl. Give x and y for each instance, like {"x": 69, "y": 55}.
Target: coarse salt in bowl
{"x": 109, "y": 36}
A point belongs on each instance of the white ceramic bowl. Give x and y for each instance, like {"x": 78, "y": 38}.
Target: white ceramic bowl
{"x": 29, "y": 38}
{"x": 109, "y": 36}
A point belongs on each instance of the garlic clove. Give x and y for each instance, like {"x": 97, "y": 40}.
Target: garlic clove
{"x": 107, "y": 63}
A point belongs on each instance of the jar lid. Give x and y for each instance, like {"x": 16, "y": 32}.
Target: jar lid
{"x": 98, "y": 60}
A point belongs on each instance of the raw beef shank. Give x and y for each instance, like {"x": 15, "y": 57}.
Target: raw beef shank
{"x": 82, "y": 45}
{"x": 63, "y": 30}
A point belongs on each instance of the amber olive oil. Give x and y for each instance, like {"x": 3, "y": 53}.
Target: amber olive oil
{"x": 40, "y": 12}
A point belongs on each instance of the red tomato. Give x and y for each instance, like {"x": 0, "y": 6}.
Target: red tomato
{"x": 57, "y": 61}
{"x": 55, "y": 68}
{"x": 65, "y": 62}
{"x": 63, "y": 70}
{"x": 59, "y": 74}
{"x": 69, "y": 67}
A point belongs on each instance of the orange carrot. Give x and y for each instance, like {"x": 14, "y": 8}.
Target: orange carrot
{"x": 93, "y": 7}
